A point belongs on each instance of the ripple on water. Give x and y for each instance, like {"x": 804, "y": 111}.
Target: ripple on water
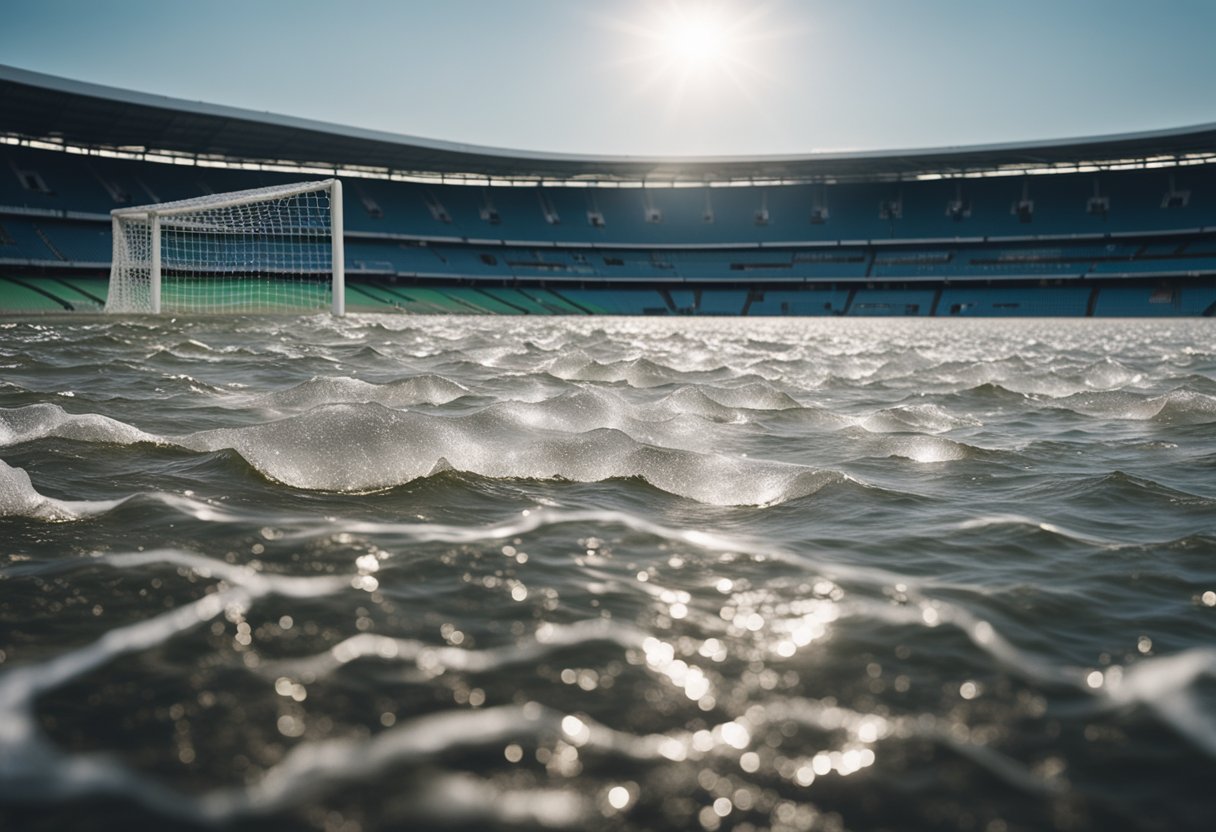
{"x": 384, "y": 573}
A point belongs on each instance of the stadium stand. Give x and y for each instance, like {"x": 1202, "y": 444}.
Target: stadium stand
{"x": 921, "y": 233}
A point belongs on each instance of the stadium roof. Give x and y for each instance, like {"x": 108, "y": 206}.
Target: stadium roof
{"x": 47, "y": 108}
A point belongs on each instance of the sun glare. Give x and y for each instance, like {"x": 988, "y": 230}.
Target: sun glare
{"x": 697, "y": 50}
{"x": 696, "y": 37}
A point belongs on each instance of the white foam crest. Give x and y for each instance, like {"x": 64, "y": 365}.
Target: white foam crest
{"x": 1165, "y": 684}
{"x": 19, "y": 685}
{"x": 833, "y": 717}
{"x": 694, "y": 401}
{"x": 636, "y": 372}
{"x": 534, "y": 519}
{"x": 320, "y": 766}
{"x": 256, "y": 582}
{"x": 201, "y": 510}
{"x": 1185, "y": 407}
{"x": 1018, "y": 375}
{"x": 923, "y": 449}
{"x": 433, "y": 660}
{"x": 737, "y": 405}
{"x": 587, "y": 409}
{"x": 318, "y": 391}
{"x": 1113, "y": 405}
{"x": 18, "y": 498}
{"x": 585, "y": 731}
{"x": 366, "y": 447}
{"x": 466, "y": 799}
{"x": 43, "y": 421}
{"x": 306, "y": 527}
{"x": 1108, "y": 374}
{"x": 757, "y": 395}
{"x": 991, "y": 521}
{"x": 30, "y": 766}
{"x": 919, "y": 418}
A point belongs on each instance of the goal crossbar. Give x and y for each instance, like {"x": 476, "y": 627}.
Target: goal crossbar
{"x": 259, "y": 234}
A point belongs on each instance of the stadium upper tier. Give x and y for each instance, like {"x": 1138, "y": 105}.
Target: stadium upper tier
{"x": 1098, "y": 205}
{"x": 45, "y": 107}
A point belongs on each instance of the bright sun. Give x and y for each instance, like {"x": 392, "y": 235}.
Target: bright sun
{"x": 693, "y": 46}
{"x": 696, "y": 37}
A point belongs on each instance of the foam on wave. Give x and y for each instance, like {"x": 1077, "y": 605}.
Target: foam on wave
{"x": 43, "y": 421}
{"x": 918, "y": 418}
{"x": 19, "y": 498}
{"x": 367, "y": 447}
{"x": 320, "y": 390}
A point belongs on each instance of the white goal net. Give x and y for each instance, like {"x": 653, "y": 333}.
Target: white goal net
{"x": 275, "y": 249}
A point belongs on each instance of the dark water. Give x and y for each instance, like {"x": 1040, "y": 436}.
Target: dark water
{"x": 389, "y": 573}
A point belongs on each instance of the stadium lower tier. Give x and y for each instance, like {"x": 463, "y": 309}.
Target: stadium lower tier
{"x": 41, "y": 293}
{"x": 63, "y": 243}
{"x": 55, "y": 263}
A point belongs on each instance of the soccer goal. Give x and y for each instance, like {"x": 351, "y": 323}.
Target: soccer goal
{"x": 275, "y": 249}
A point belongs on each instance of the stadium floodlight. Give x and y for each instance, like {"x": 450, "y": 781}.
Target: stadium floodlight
{"x": 274, "y": 249}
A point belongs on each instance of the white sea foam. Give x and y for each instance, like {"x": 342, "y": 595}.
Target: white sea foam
{"x": 368, "y": 447}
{"x": 31, "y": 767}
{"x": 43, "y": 421}
{"x": 322, "y": 390}
{"x": 18, "y": 498}
{"x": 433, "y": 660}
{"x": 1166, "y": 684}
{"x": 919, "y": 418}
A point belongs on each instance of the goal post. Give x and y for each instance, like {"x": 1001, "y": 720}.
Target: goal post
{"x": 273, "y": 249}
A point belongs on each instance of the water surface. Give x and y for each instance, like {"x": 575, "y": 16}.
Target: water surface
{"x": 388, "y": 572}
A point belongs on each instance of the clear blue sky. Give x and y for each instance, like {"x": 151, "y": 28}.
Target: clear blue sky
{"x": 659, "y": 77}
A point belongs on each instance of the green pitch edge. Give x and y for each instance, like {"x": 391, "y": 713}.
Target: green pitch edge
{"x": 477, "y": 299}
{"x": 24, "y": 295}
{"x": 413, "y": 303}
{"x": 85, "y": 294}
{"x": 558, "y": 304}
{"x": 443, "y": 302}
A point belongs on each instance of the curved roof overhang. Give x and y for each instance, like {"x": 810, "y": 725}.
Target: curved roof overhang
{"x": 48, "y": 108}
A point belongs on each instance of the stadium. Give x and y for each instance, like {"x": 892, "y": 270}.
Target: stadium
{"x": 352, "y": 481}
{"x": 1112, "y": 226}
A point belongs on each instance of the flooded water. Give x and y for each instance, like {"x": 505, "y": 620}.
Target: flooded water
{"x": 625, "y": 574}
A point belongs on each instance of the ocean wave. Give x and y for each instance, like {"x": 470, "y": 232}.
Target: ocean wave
{"x": 1016, "y": 612}
{"x": 432, "y": 660}
{"x": 369, "y": 447}
{"x": 1180, "y": 407}
{"x": 323, "y": 390}
{"x": 361, "y": 448}
{"x": 636, "y": 372}
{"x": 1167, "y": 686}
{"x": 18, "y": 498}
{"x": 915, "y": 448}
{"x": 1017, "y": 521}
{"x": 1128, "y": 488}
{"x": 43, "y": 421}
{"x": 917, "y": 418}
